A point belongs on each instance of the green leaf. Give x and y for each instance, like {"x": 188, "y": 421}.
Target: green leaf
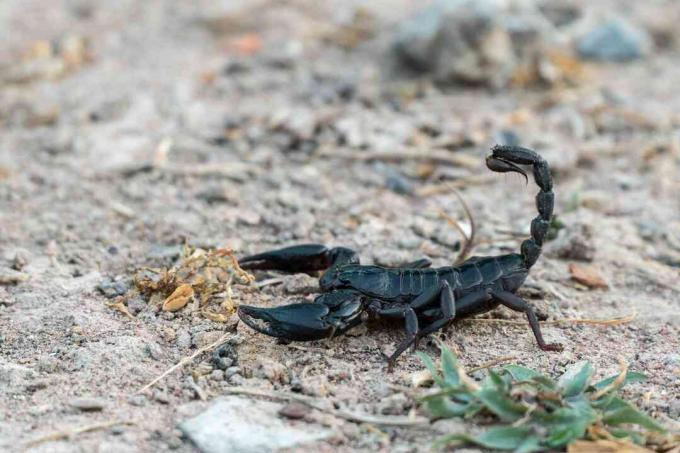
{"x": 620, "y": 411}
{"x": 631, "y": 376}
{"x": 443, "y": 407}
{"x": 495, "y": 380}
{"x": 473, "y": 409}
{"x": 431, "y": 367}
{"x": 625, "y": 433}
{"x": 565, "y": 435}
{"x": 575, "y": 380}
{"x": 530, "y": 444}
{"x": 545, "y": 384}
{"x": 499, "y": 404}
{"x": 498, "y": 438}
{"x": 568, "y": 423}
{"x": 449, "y": 368}
{"x": 520, "y": 373}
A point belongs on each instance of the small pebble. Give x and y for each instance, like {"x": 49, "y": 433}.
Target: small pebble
{"x": 294, "y": 410}
{"x": 161, "y": 397}
{"x": 137, "y": 400}
{"x": 613, "y": 41}
{"x": 231, "y": 371}
{"x": 136, "y": 304}
{"x": 183, "y": 339}
{"x": 154, "y": 350}
{"x": 87, "y": 404}
{"x": 237, "y": 379}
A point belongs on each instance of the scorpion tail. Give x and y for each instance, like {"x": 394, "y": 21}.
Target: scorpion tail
{"x": 506, "y": 158}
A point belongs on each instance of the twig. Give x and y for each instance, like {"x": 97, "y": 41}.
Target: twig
{"x": 351, "y": 416}
{"x": 493, "y": 362}
{"x": 186, "y": 360}
{"x": 269, "y": 281}
{"x": 601, "y": 322}
{"x": 67, "y": 433}
{"x": 468, "y": 240}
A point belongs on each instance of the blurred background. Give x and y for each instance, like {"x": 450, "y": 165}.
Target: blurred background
{"x": 128, "y": 129}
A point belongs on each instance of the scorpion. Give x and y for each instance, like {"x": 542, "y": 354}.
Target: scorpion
{"x": 426, "y": 299}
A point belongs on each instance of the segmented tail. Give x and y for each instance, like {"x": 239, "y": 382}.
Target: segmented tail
{"x": 503, "y": 159}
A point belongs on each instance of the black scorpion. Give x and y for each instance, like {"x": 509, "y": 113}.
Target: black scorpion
{"x": 426, "y": 299}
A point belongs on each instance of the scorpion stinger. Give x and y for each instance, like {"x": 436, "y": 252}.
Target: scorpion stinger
{"x": 426, "y": 299}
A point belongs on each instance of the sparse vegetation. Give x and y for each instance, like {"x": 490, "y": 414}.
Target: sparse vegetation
{"x": 533, "y": 412}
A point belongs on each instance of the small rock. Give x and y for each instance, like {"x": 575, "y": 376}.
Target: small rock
{"x": 11, "y": 277}
{"x": 136, "y": 304}
{"x": 396, "y": 404}
{"x": 224, "y": 356}
{"x": 217, "y": 375}
{"x": 294, "y": 411}
{"x": 449, "y": 426}
{"x": 154, "y": 350}
{"x": 174, "y": 442}
{"x": 481, "y": 41}
{"x": 113, "y": 288}
{"x": 137, "y": 400}
{"x": 573, "y": 243}
{"x": 21, "y": 258}
{"x": 613, "y": 41}
{"x": 87, "y": 404}
{"x": 161, "y": 396}
{"x": 236, "y": 379}
{"x": 274, "y": 372}
{"x": 231, "y": 371}
{"x": 236, "y": 424}
{"x": 183, "y": 339}
{"x": 300, "y": 284}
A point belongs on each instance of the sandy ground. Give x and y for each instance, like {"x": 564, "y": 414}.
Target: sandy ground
{"x": 182, "y": 126}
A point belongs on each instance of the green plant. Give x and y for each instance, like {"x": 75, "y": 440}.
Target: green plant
{"x": 532, "y": 411}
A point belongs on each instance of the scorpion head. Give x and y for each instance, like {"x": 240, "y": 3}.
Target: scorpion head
{"x": 331, "y": 314}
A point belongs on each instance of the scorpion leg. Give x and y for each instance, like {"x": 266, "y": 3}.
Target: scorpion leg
{"x": 300, "y": 258}
{"x": 449, "y": 311}
{"x": 410, "y": 325}
{"x": 516, "y": 303}
{"x": 413, "y": 333}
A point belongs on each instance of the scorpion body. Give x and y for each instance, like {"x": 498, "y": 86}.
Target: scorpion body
{"x": 426, "y": 298}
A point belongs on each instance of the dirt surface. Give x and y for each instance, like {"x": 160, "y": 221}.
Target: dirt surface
{"x": 128, "y": 129}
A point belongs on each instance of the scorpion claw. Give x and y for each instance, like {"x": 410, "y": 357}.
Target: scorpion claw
{"x": 500, "y": 165}
{"x": 307, "y": 257}
{"x": 330, "y": 314}
{"x": 297, "y": 322}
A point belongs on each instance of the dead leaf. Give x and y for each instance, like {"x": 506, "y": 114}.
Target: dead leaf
{"x": 179, "y": 298}
{"x": 247, "y": 44}
{"x": 121, "y": 307}
{"x": 605, "y": 446}
{"x": 587, "y": 275}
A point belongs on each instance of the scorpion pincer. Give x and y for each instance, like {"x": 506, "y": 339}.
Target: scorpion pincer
{"x": 426, "y": 298}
